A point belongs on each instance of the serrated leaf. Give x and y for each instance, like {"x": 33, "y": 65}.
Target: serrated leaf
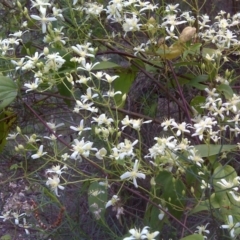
{"x": 209, "y": 150}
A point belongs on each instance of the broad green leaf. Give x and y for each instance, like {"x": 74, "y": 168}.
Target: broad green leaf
{"x": 6, "y": 237}
{"x": 64, "y": 89}
{"x": 7, "y": 119}
{"x": 105, "y": 65}
{"x": 171, "y": 52}
{"x": 123, "y": 83}
{"x": 197, "y": 81}
{"x": 223, "y": 172}
{"x": 172, "y": 192}
{"x": 196, "y": 103}
{"x": 209, "y": 51}
{"x": 209, "y": 150}
{"x": 205, "y": 205}
{"x": 193, "y": 237}
{"x": 226, "y": 89}
{"x": 97, "y": 199}
{"x": 185, "y": 63}
{"x": 192, "y": 49}
{"x": 151, "y": 217}
{"x": 8, "y": 91}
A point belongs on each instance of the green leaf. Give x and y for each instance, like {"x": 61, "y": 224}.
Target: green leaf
{"x": 223, "y": 172}
{"x": 8, "y": 91}
{"x": 196, "y": 103}
{"x": 64, "y": 89}
{"x": 123, "y": 83}
{"x": 209, "y": 150}
{"x": 172, "y": 192}
{"x": 196, "y": 81}
{"x": 14, "y": 166}
{"x": 97, "y": 198}
{"x": 6, "y": 237}
{"x": 193, "y": 237}
{"x": 105, "y": 65}
{"x": 226, "y": 89}
{"x": 7, "y": 119}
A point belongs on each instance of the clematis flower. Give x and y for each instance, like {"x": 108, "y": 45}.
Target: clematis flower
{"x": 134, "y": 174}
{"x": 32, "y": 86}
{"x": 43, "y": 19}
{"x": 231, "y": 226}
{"x": 39, "y": 153}
{"x": 80, "y": 128}
{"x": 53, "y": 183}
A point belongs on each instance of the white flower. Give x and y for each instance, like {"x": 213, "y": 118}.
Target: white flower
{"x": 65, "y": 156}
{"x": 195, "y": 158}
{"x": 140, "y": 48}
{"x": 81, "y": 148}
{"x": 87, "y": 66}
{"x": 80, "y": 128}
{"x": 172, "y": 8}
{"x": 228, "y": 185}
{"x": 82, "y": 51}
{"x": 162, "y": 213}
{"x": 25, "y": 226}
{"x": 39, "y": 153}
{"x": 101, "y": 153}
{"x": 202, "y": 230}
{"x": 236, "y": 198}
{"x": 102, "y": 119}
{"x": 89, "y": 96}
{"x": 40, "y": 3}
{"x": 133, "y": 174}
{"x": 181, "y": 128}
{"x": 172, "y": 20}
{"x": 205, "y": 185}
{"x": 5, "y": 216}
{"x": 109, "y": 78}
{"x": 231, "y": 226}
{"x": 56, "y": 169}
{"x": 137, "y": 233}
{"x": 43, "y": 19}
{"x": 32, "y": 86}
{"x": 54, "y": 184}
{"x": 131, "y": 24}
{"x": 17, "y": 216}
{"x": 113, "y": 201}
{"x": 53, "y": 126}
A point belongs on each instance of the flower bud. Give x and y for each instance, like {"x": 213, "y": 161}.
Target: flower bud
{"x": 192, "y": 190}
{"x": 19, "y": 4}
{"x": 46, "y": 51}
{"x": 18, "y": 129}
{"x": 152, "y": 181}
{"x": 187, "y": 34}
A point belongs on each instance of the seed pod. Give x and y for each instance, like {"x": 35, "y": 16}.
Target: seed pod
{"x": 187, "y": 34}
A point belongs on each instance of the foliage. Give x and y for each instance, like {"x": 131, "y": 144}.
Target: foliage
{"x": 71, "y": 75}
